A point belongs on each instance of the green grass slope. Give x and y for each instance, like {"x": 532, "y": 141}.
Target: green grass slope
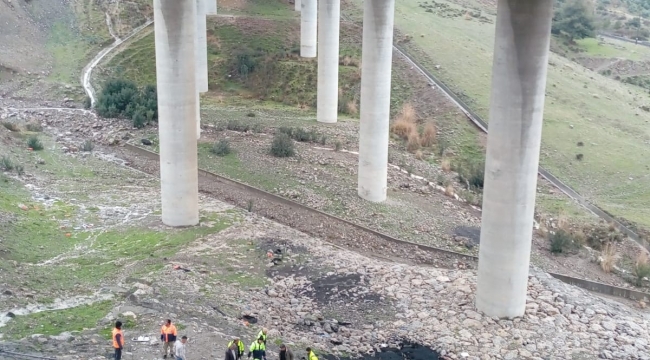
{"x": 581, "y": 106}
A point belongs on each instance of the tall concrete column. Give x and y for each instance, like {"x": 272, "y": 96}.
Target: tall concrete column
{"x": 521, "y": 50}
{"x": 308, "y": 28}
{"x": 376, "y": 59}
{"x": 211, "y": 7}
{"x": 297, "y": 5}
{"x": 175, "y": 29}
{"x": 201, "y": 46}
{"x": 329, "y": 18}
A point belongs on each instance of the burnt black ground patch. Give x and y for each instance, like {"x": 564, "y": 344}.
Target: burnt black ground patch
{"x": 472, "y": 233}
{"x": 404, "y": 352}
{"x": 341, "y": 289}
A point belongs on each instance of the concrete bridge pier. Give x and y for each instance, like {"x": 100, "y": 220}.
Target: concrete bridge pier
{"x": 297, "y": 5}
{"x": 201, "y": 56}
{"x": 376, "y": 59}
{"x": 521, "y": 50}
{"x": 175, "y": 32}
{"x": 329, "y": 19}
{"x": 211, "y": 7}
{"x": 308, "y": 28}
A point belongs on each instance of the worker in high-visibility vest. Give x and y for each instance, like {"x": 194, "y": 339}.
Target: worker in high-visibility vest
{"x": 168, "y": 337}
{"x": 240, "y": 347}
{"x": 257, "y": 349}
{"x": 118, "y": 340}
{"x": 262, "y": 334}
{"x": 311, "y": 355}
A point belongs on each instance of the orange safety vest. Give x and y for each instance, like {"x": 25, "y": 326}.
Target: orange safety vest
{"x": 168, "y": 333}
{"x": 115, "y": 343}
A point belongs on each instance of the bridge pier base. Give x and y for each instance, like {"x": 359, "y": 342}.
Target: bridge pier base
{"x": 211, "y": 7}
{"x": 175, "y": 32}
{"x": 521, "y": 50}
{"x": 297, "y": 5}
{"x": 376, "y": 60}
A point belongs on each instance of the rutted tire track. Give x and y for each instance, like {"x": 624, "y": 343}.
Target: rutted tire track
{"x": 311, "y": 221}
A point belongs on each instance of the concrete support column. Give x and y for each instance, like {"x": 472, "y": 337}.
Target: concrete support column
{"x": 297, "y": 5}
{"x": 201, "y": 46}
{"x": 201, "y": 49}
{"x": 521, "y": 50}
{"x": 211, "y": 7}
{"x": 329, "y": 18}
{"x": 376, "y": 59}
{"x": 308, "y": 28}
{"x": 175, "y": 30}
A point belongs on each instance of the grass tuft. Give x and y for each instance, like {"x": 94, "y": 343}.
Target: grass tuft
{"x": 429, "y": 135}
{"x": 608, "y": 258}
{"x": 34, "y": 143}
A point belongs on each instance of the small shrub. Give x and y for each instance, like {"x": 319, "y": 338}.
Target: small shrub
{"x": 413, "y": 141}
{"x": 473, "y": 175}
{"x": 286, "y": 130}
{"x": 449, "y": 191}
{"x": 34, "y": 143}
{"x": 20, "y": 170}
{"x": 419, "y": 155}
{"x": 251, "y": 114}
{"x": 11, "y": 126}
{"x": 34, "y": 127}
{"x": 300, "y": 134}
{"x": 580, "y": 143}
{"x": 579, "y": 157}
{"x": 641, "y": 268}
{"x": 257, "y": 128}
{"x": 282, "y": 146}
{"x": 323, "y": 140}
{"x": 561, "y": 242}
{"x": 337, "y": 146}
{"x": 445, "y": 165}
{"x": 235, "y": 125}
{"x": 404, "y": 126}
{"x": 352, "y": 108}
{"x": 87, "y": 146}
{"x": 6, "y": 164}
{"x": 221, "y": 148}
{"x": 608, "y": 258}
{"x": 249, "y": 206}
{"x": 428, "y": 135}
{"x": 313, "y": 136}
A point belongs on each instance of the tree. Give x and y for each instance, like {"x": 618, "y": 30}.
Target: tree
{"x": 574, "y": 19}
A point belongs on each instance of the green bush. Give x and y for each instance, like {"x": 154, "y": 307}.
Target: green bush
{"x": 286, "y": 130}
{"x": 472, "y": 174}
{"x": 251, "y": 114}
{"x": 88, "y": 103}
{"x": 11, "y": 126}
{"x": 6, "y": 164}
{"x": 323, "y": 140}
{"x": 87, "y": 146}
{"x": 561, "y": 242}
{"x": 282, "y": 146}
{"x": 34, "y": 143}
{"x": 235, "y": 125}
{"x": 34, "y": 127}
{"x": 123, "y": 98}
{"x": 221, "y": 148}
{"x": 20, "y": 170}
{"x": 337, "y": 146}
{"x": 641, "y": 270}
{"x": 300, "y": 134}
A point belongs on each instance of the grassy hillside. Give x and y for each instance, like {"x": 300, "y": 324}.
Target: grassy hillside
{"x": 582, "y": 107}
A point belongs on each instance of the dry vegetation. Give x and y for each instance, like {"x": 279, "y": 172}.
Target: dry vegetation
{"x": 608, "y": 258}
{"x": 406, "y": 127}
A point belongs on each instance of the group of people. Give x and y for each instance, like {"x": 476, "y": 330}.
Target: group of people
{"x": 235, "y": 350}
{"x": 257, "y": 349}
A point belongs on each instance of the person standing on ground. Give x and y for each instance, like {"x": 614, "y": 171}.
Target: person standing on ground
{"x": 285, "y": 354}
{"x": 179, "y": 349}
{"x": 262, "y": 334}
{"x": 232, "y": 352}
{"x": 118, "y": 340}
{"x": 240, "y": 347}
{"x": 311, "y": 355}
{"x": 168, "y": 337}
{"x": 257, "y": 349}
